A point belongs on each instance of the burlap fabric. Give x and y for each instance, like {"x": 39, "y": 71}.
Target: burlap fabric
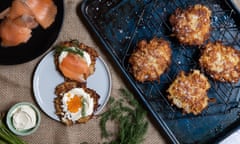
{"x": 16, "y": 86}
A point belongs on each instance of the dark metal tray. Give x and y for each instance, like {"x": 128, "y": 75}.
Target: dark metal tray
{"x": 120, "y": 24}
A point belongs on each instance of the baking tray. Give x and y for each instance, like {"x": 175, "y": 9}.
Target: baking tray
{"x": 120, "y": 24}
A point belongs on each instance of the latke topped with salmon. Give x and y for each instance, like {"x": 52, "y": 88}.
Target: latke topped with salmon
{"x": 76, "y": 61}
{"x": 191, "y": 26}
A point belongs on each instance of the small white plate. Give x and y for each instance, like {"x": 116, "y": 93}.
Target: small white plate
{"x": 46, "y": 78}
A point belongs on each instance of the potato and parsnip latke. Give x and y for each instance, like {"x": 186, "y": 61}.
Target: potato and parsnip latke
{"x": 192, "y": 25}
{"x": 76, "y": 61}
{"x": 221, "y": 62}
{"x": 75, "y": 103}
{"x": 189, "y": 92}
{"x": 150, "y": 60}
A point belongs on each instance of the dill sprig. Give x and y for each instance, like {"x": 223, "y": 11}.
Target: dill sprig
{"x": 128, "y": 115}
{"x": 73, "y": 49}
{"x": 59, "y": 49}
{"x": 75, "y": 43}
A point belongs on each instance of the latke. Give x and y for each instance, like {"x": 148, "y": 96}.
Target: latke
{"x": 221, "y": 62}
{"x": 63, "y": 90}
{"x": 150, "y": 60}
{"x": 189, "y": 92}
{"x": 191, "y": 26}
{"x": 75, "y": 61}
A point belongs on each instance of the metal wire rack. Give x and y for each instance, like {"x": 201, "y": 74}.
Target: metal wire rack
{"x": 120, "y": 24}
{"x": 155, "y": 23}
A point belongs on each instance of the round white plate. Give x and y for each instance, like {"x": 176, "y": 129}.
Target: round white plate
{"x": 46, "y": 78}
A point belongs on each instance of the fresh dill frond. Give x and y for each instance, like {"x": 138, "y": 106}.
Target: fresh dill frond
{"x": 75, "y": 43}
{"x": 73, "y": 48}
{"x": 129, "y": 116}
{"x": 59, "y": 49}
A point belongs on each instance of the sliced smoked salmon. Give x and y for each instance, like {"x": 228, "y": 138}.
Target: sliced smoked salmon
{"x": 43, "y": 10}
{"x": 18, "y": 8}
{"x": 26, "y": 21}
{"x": 74, "y": 67}
{"x": 13, "y": 34}
{"x": 22, "y": 17}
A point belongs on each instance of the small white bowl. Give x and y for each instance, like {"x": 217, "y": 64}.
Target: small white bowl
{"x": 23, "y": 132}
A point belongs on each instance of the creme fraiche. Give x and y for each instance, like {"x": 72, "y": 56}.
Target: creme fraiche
{"x": 24, "y": 118}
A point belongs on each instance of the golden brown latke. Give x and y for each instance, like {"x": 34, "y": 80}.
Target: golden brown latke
{"x": 150, "y": 60}
{"x": 221, "y": 62}
{"x": 192, "y": 25}
{"x": 65, "y": 87}
{"x": 74, "y": 43}
{"x": 189, "y": 92}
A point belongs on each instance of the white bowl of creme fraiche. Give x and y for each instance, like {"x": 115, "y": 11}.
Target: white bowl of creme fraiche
{"x": 23, "y": 118}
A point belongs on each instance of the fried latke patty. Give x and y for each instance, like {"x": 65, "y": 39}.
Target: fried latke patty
{"x": 58, "y": 102}
{"x": 150, "y": 60}
{"x": 189, "y": 92}
{"x": 221, "y": 62}
{"x": 192, "y": 25}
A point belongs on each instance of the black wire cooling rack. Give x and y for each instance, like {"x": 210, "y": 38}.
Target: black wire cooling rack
{"x": 120, "y": 24}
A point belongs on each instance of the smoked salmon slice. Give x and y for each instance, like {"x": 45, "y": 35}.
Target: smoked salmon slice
{"x": 44, "y": 11}
{"x": 13, "y": 34}
{"x": 18, "y": 8}
{"x": 74, "y": 67}
{"x": 26, "y": 21}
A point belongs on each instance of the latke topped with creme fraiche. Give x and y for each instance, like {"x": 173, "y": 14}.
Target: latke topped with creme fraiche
{"x": 75, "y": 103}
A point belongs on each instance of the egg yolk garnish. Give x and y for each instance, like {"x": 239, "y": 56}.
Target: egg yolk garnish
{"x": 74, "y": 104}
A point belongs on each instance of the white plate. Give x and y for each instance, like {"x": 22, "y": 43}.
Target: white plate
{"x": 46, "y": 78}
